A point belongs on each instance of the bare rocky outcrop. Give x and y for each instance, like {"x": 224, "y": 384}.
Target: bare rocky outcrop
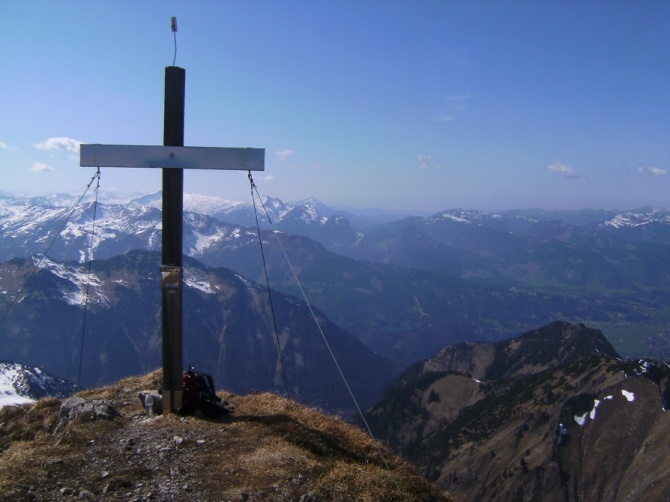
{"x": 78, "y": 409}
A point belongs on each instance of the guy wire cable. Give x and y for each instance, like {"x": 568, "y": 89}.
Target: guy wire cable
{"x": 323, "y": 336}
{"x": 88, "y": 279}
{"x": 267, "y": 282}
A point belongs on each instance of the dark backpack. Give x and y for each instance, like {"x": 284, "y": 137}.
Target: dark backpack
{"x": 200, "y": 395}
{"x": 199, "y": 385}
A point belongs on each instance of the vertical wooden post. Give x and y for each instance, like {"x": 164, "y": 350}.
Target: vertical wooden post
{"x": 171, "y": 264}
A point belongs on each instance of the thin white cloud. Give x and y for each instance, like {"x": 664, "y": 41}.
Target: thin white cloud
{"x": 459, "y": 97}
{"x": 40, "y": 167}
{"x": 424, "y": 160}
{"x": 455, "y": 104}
{"x": 427, "y": 162}
{"x": 459, "y": 101}
{"x": 60, "y": 144}
{"x": 654, "y": 171}
{"x": 284, "y": 154}
{"x": 269, "y": 177}
{"x": 8, "y": 147}
{"x": 562, "y": 170}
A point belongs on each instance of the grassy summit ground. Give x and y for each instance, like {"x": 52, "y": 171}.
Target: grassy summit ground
{"x": 272, "y": 448}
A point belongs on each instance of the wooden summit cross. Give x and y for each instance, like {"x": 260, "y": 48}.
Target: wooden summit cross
{"x": 173, "y": 157}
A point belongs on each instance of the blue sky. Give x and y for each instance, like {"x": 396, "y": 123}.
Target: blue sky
{"x": 417, "y": 105}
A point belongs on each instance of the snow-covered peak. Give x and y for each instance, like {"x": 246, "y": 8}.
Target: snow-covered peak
{"x": 208, "y": 204}
{"x": 453, "y": 217}
{"x": 148, "y": 200}
{"x": 466, "y": 216}
{"x": 193, "y": 202}
{"x": 11, "y": 388}
{"x": 21, "y": 384}
{"x": 641, "y": 217}
{"x": 310, "y": 214}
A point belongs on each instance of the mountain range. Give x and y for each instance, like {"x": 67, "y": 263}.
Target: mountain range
{"x": 96, "y": 328}
{"x": 407, "y": 286}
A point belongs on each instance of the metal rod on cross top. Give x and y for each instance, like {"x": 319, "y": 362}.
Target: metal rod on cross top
{"x": 173, "y": 157}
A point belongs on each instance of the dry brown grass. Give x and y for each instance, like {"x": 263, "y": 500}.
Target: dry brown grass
{"x": 272, "y": 448}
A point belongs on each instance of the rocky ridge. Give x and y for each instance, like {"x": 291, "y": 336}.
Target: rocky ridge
{"x": 551, "y": 415}
{"x": 271, "y": 449}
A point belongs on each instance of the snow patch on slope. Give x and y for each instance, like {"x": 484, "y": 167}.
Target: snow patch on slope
{"x": 631, "y": 219}
{"x": 20, "y": 384}
{"x": 581, "y": 419}
{"x": 9, "y": 396}
{"x": 80, "y": 280}
{"x": 199, "y": 282}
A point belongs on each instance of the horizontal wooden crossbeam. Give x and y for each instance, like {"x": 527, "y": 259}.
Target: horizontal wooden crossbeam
{"x": 184, "y": 157}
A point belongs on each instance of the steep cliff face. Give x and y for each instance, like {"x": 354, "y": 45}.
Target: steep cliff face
{"x": 472, "y": 359}
{"x": 550, "y": 415}
{"x": 616, "y": 449}
{"x": 589, "y": 431}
